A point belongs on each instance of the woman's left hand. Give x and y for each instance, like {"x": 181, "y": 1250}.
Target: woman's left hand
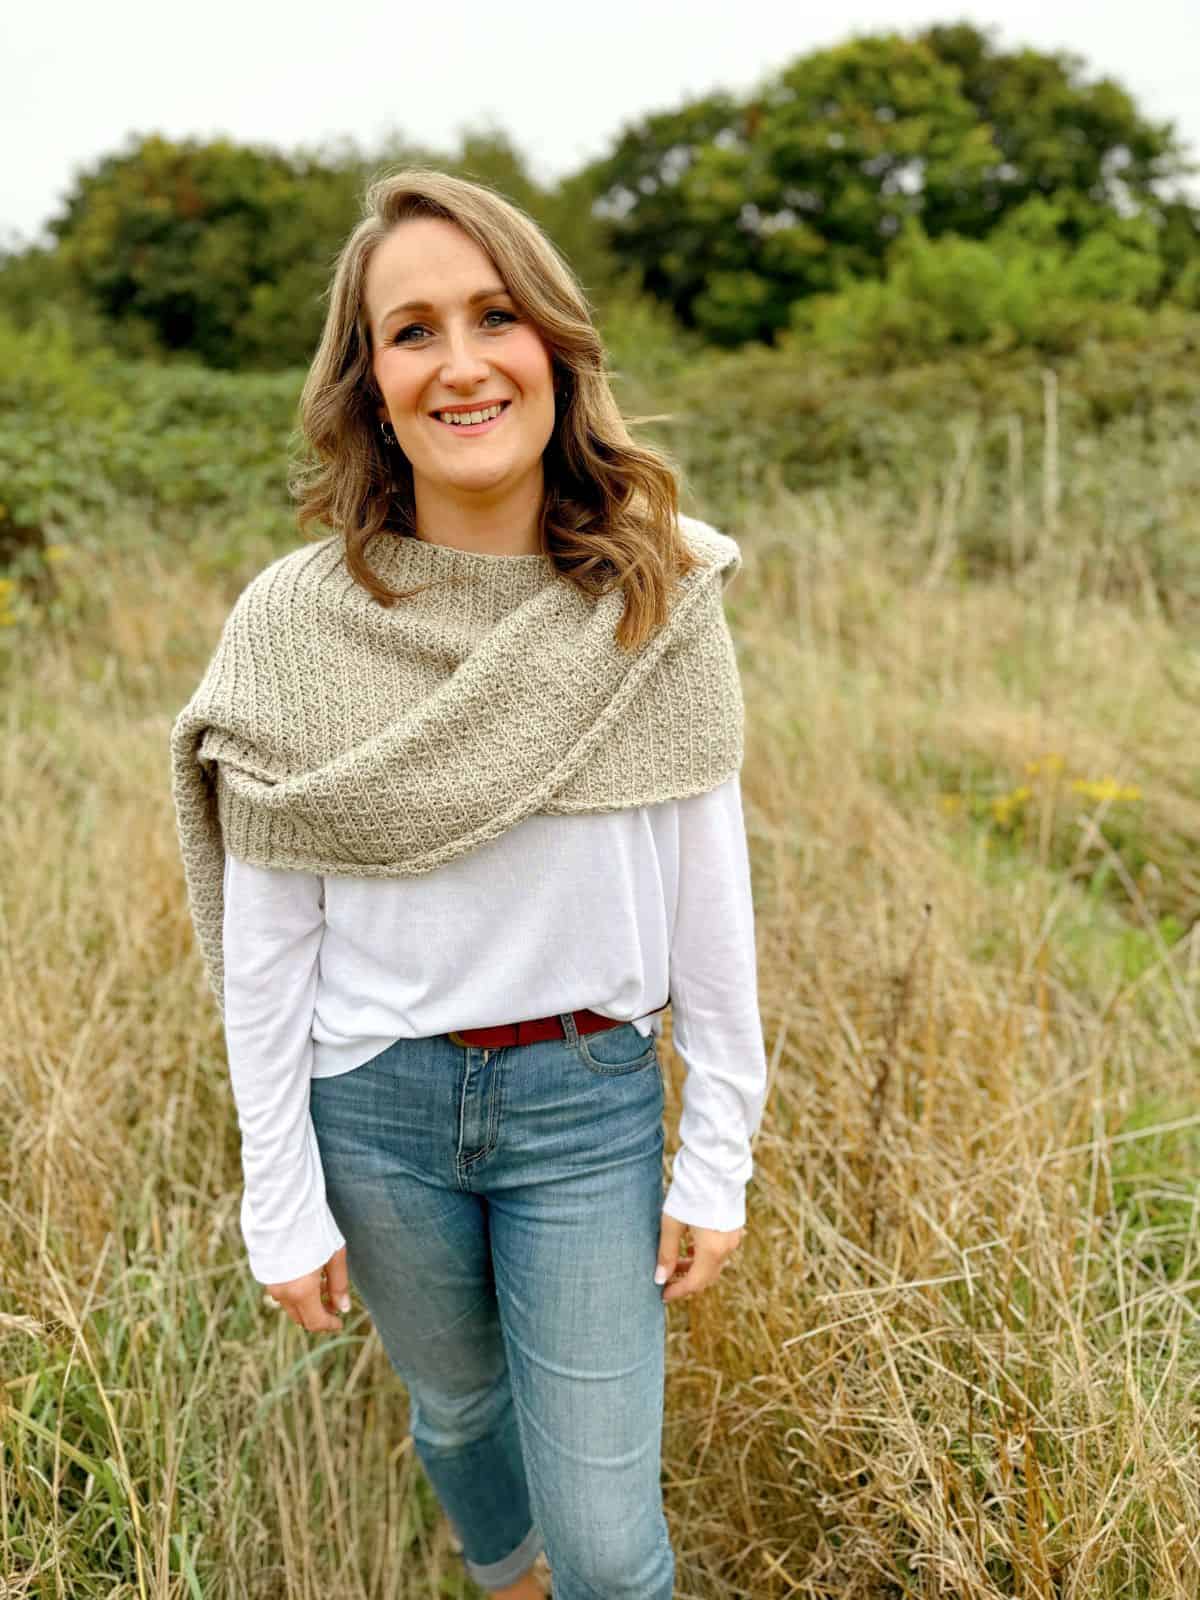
{"x": 712, "y": 1249}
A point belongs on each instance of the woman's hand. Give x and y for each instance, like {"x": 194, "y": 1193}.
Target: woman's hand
{"x": 310, "y": 1301}
{"x": 712, "y": 1250}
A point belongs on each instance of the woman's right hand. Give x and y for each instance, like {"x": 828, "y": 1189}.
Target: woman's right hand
{"x": 310, "y": 1301}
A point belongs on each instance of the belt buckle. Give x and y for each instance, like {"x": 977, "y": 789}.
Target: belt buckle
{"x": 457, "y": 1038}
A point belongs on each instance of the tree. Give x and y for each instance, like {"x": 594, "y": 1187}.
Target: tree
{"x": 733, "y": 210}
{"x": 674, "y": 229}
{"x": 217, "y": 249}
{"x": 1055, "y": 132}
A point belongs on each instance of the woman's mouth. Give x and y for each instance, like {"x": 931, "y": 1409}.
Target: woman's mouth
{"x": 489, "y": 416}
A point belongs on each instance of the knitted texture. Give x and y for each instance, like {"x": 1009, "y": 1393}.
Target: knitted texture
{"x": 333, "y": 735}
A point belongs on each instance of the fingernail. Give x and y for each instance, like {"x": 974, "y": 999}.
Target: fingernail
{"x": 344, "y": 1303}
{"x": 661, "y": 1274}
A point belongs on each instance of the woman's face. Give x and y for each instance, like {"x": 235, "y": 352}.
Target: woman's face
{"x": 446, "y": 335}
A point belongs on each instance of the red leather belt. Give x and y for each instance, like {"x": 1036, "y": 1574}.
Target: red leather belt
{"x": 532, "y": 1031}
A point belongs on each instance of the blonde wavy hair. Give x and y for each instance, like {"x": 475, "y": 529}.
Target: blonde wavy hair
{"x": 609, "y": 513}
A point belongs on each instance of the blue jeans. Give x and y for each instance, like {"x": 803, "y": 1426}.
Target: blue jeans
{"x": 501, "y": 1210}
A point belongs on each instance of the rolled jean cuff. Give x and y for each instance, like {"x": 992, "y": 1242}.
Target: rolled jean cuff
{"x": 500, "y": 1574}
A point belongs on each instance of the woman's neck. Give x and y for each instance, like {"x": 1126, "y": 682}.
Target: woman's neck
{"x": 507, "y": 523}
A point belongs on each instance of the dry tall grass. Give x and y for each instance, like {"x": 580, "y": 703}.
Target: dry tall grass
{"x": 958, "y": 1353}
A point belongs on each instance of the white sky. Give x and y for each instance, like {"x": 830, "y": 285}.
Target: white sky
{"x": 561, "y": 79}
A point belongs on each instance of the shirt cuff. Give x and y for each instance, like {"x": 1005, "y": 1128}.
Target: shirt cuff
{"x": 277, "y": 1255}
{"x": 702, "y": 1198}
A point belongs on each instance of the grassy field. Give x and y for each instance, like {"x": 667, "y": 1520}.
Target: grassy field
{"x": 958, "y": 1354}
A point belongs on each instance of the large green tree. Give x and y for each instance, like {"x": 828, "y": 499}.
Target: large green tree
{"x": 732, "y": 209}
{"x": 212, "y": 248}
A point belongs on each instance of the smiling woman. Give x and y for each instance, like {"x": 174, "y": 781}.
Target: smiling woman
{"x": 451, "y": 848}
{"x": 446, "y": 299}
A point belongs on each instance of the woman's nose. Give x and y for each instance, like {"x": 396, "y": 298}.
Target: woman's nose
{"x": 463, "y": 364}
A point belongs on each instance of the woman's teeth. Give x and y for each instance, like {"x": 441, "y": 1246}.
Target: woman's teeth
{"x": 458, "y": 419}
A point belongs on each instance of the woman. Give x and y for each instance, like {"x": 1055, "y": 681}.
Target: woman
{"x": 459, "y": 813}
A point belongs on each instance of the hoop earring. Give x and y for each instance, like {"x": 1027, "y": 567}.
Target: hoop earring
{"x": 388, "y": 432}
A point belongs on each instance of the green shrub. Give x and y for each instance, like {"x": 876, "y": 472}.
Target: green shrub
{"x": 79, "y": 429}
{"x": 1022, "y": 286}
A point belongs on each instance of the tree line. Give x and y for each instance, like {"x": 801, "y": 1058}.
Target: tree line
{"x": 895, "y": 193}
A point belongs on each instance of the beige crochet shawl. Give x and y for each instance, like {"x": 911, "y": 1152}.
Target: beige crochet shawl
{"x": 331, "y": 734}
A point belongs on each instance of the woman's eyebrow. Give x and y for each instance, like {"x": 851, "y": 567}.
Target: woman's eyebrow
{"x": 424, "y": 305}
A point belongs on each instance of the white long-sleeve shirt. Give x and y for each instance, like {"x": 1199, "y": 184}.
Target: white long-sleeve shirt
{"x": 617, "y": 911}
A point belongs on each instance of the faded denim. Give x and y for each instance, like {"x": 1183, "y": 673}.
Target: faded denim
{"x": 501, "y": 1210}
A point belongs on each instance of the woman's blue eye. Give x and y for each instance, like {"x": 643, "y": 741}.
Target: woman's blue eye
{"x": 415, "y": 327}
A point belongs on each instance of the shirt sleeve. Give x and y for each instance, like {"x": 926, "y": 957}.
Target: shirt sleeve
{"x": 716, "y": 1026}
{"x": 273, "y": 924}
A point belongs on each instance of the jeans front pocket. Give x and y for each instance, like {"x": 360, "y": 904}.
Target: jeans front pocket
{"x": 616, "y": 1050}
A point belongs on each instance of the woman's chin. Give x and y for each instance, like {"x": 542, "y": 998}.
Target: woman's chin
{"x": 478, "y": 477}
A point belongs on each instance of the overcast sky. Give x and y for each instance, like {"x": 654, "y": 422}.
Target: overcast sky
{"x": 561, "y": 79}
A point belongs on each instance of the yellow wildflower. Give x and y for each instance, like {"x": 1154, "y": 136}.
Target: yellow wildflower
{"x": 1051, "y": 763}
{"x": 57, "y": 552}
{"x": 1005, "y": 806}
{"x": 1106, "y": 789}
